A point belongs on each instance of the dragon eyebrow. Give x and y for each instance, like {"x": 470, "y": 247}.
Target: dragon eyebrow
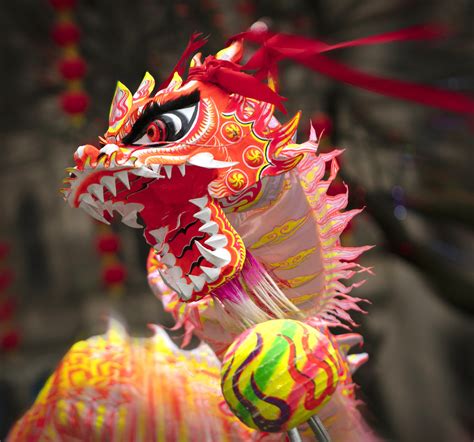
{"x": 154, "y": 109}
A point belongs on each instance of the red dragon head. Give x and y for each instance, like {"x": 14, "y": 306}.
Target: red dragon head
{"x": 174, "y": 161}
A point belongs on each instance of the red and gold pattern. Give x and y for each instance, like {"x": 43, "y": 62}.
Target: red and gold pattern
{"x": 117, "y": 388}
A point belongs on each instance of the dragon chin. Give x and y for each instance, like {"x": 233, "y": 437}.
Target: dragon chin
{"x": 186, "y": 226}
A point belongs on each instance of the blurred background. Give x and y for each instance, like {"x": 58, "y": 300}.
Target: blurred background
{"x": 410, "y": 166}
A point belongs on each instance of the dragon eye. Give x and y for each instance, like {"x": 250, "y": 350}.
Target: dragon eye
{"x": 156, "y": 131}
{"x": 167, "y": 127}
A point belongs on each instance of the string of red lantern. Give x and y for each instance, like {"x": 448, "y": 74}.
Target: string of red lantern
{"x": 113, "y": 272}
{"x": 72, "y": 67}
{"x": 74, "y": 102}
{"x": 9, "y": 334}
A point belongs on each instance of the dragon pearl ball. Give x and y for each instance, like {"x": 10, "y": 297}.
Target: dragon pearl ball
{"x": 278, "y": 374}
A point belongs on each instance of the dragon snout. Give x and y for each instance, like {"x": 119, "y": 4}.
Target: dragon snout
{"x": 90, "y": 155}
{"x": 85, "y": 154}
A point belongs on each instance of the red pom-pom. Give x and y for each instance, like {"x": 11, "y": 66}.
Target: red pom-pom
{"x": 72, "y": 68}
{"x": 7, "y": 308}
{"x": 115, "y": 274}
{"x": 108, "y": 244}
{"x": 6, "y": 278}
{"x": 65, "y": 33}
{"x": 10, "y": 340}
{"x": 62, "y": 5}
{"x": 74, "y": 102}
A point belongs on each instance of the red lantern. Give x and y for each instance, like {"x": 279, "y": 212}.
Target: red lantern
{"x": 72, "y": 68}
{"x": 74, "y": 102}
{"x": 65, "y": 33}
{"x": 6, "y": 278}
{"x": 108, "y": 243}
{"x": 114, "y": 274}
{"x": 7, "y": 307}
{"x": 62, "y": 5}
{"x": 10, "y": 340}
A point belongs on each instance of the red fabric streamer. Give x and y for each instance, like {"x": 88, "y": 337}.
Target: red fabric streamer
{"x": 196, "y": 41}
{"x": 228, "y": 76}
{"x": 308, "y": 52}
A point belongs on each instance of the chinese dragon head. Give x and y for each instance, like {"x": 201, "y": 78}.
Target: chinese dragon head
{"x": 176, "y": 161}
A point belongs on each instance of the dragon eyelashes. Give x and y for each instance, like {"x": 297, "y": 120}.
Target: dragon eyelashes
{"x": 162, "y": 123}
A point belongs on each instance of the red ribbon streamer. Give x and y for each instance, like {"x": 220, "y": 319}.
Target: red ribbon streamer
{"x": 196, "y": 41}
{"x": 229, "y": 77}
{"x": 308, "y": 52}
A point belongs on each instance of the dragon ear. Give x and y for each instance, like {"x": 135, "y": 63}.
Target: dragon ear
{"x": 120, "y": 107}
{"x": 174, "y": 84}
{"x": 196, "y": 60}
{"x": 145, "y": 88}
{"x": 232, "y": 53}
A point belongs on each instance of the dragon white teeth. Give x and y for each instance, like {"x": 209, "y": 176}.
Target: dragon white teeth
{"x": 169, "y": 260}
{"x": 175, "y": 273}
{"x": 198, "y": 281}
{"x": 87, "y": 198}
{"x": 211, "y": 273}
{"x": 206, "y": 160}
{"x": 168, "y": 170}
{"x": 156, "y": 168}
{"x": 109, "y": 183}
{"x": 182, "y": 169}
{"x": 211, "y": 227}
{"x": 129, "y": 214}
{"x": 167, "y": 281}
{"x": 130, "y": 220}
{"x": 219, "y": 257}
{"x": 200, "y": 202}
{"x": 97, "y": 190}
{"x": 185, "y": 289}
{"x": 145, "y": 172}
{"x": 123, "y": 177}
{"x": 159, "y": 235}
{"x": 93, "y": 212}
{"x": 204, "y": 215}
{"x": 217, "y": 241}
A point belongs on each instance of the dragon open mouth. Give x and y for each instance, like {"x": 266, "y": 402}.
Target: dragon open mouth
{"x": 181, "y": 221}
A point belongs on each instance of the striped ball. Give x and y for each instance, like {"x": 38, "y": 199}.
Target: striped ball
{"x": 278, "y": 374}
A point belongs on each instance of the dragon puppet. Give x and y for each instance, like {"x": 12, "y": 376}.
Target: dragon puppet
{"x": 237, "y": 214}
